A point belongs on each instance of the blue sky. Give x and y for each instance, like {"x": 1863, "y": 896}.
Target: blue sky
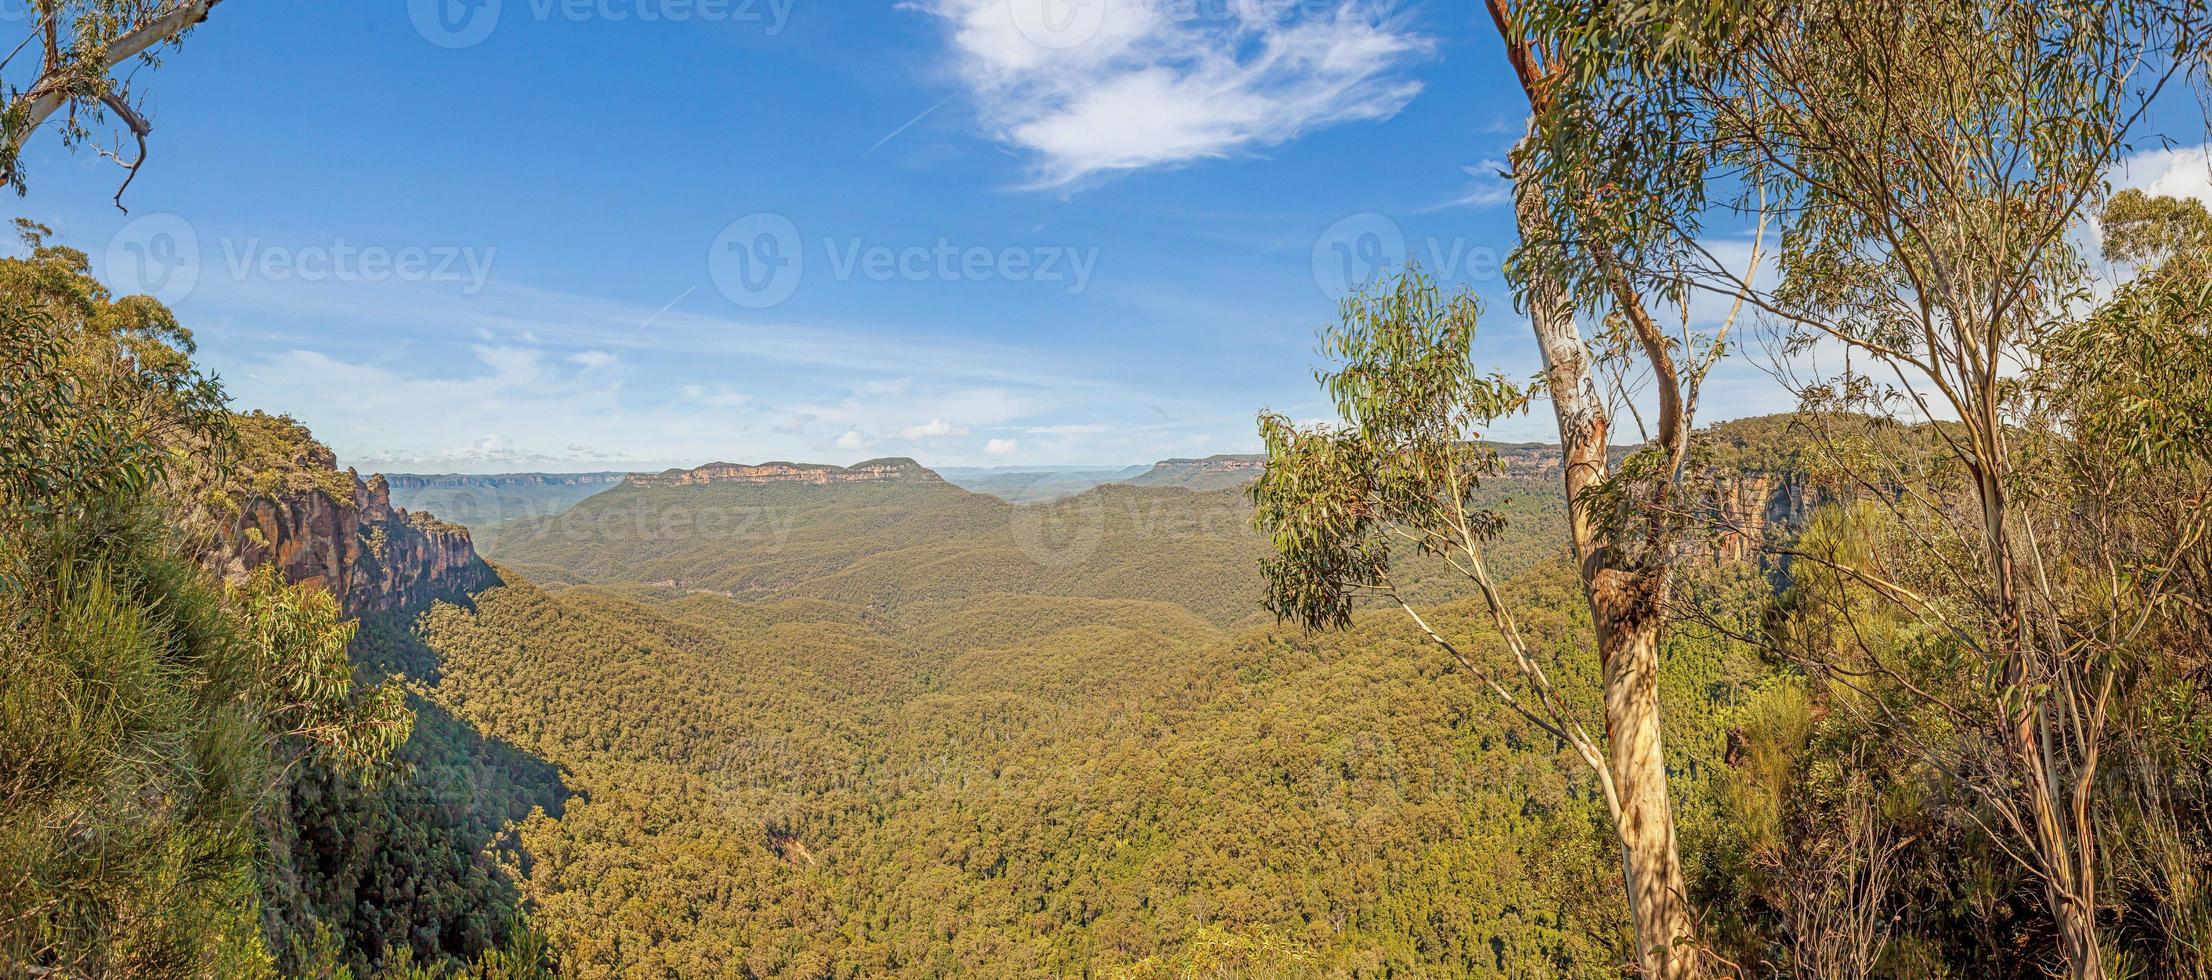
{"x": 467, "y": 235}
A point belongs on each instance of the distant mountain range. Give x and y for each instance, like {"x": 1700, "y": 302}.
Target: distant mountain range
{"x": 1222, "y": 472}
{"x": 487, "y": 501}
{"x": 1031, "y": 484}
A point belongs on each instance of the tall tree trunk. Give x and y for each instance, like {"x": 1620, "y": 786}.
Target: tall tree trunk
{"x": 1625, "y": 607}
{"x": 2064, "y": 838}
{"x": 1628, "y": 653}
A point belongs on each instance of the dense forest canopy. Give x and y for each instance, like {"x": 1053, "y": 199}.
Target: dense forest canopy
{"x": 1913, "y": 681}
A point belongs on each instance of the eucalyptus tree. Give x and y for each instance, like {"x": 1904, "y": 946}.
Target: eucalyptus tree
{"x": 1342, "y": 503}
{"x": 77, "y": 45}
{"x": 1400, "y": 468}
{"x": 1928, "y": 163}
{"x": 147, "y": 709}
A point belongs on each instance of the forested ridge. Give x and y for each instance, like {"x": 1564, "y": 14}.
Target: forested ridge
{"x": 885, "y": 545}
{"x": 903, "y": 729}
{"x": 1911, "y": 681}
{"x": 1021, "y": 785}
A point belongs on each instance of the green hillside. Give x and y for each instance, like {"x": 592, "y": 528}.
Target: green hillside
{"x": 1013, "y": 785}
{"x": 1027, "y": 486}
{"x": 885, "y": 545}
{"x": 1223, "y": 472}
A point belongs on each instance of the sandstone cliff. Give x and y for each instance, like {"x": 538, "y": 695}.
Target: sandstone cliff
{"x": 874, "y": 470}
{"x": 1753, "y": 509}
{"x": 328, "y": 527}
{"x": 1212, "y": 473}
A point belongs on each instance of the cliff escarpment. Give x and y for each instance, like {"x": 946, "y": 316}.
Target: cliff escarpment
{"x": 1752, "y": 510}
{"x": 872, "y": 471}
{"x": 328, "y": 527}
{"x": 1222, "y": 472}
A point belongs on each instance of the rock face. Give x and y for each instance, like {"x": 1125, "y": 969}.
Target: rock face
{"x": 872, "y": 471}
{"x": 1212, "y": 473}
{"x": 1524, "y": 459}
{"x": 370, "y": 555}
{"x": 1756, "y": 508}
{"x": 1223, "y": 463}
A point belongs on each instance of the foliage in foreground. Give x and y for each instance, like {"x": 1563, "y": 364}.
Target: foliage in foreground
{"x": 151, "y": 716}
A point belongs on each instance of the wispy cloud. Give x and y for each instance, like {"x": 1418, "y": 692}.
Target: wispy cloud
{"x": 517, "y": 378}
{"x": 1090, "y": 87}
{"x": 1486, "y": 187}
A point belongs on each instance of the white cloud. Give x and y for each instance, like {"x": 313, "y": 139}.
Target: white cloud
{"x": 2178, "y": 172}
{"x": 851, "y": 440}
{"x": 1485, "y": 187}
{"x": 592, "y": 360}
{"x": 1117, "y": 85}
{"x": 935, "y": 429}
{"x": 695, "y": 386}
{"x": 507, "y": 399}
{"x": 1001, "y": 447}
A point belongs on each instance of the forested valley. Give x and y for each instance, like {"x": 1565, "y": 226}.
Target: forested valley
{"x": 1912, "y": 681}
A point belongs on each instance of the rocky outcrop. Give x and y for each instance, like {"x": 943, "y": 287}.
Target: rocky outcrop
{"x": 872, "y": 471}
{"x": 1754, "y": 509}
{"x": 1212, "y": 473}
{"x": 372, "y": 556}
{"x": 1527, "y": 459}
